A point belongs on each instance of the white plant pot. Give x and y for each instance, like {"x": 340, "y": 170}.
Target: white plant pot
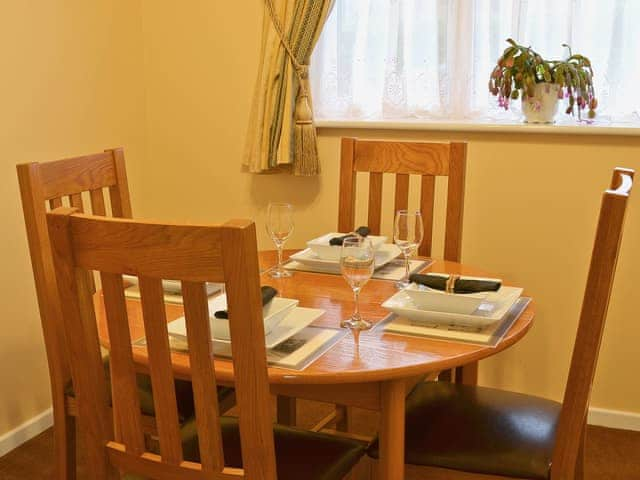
{"x": 543, "y": 106}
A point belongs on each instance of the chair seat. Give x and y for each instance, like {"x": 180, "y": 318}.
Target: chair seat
{"x": 300, "y": 454}
{"x": 184, "y": 394}
{"x": 480, "y": 430}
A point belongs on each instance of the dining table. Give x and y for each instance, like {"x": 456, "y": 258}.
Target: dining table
{"x": 377, "y": 376}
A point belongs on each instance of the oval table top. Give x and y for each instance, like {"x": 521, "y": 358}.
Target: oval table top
{"x": 382, "y": 356}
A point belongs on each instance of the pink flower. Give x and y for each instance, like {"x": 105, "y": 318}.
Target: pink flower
{"x": 535, "y": 104}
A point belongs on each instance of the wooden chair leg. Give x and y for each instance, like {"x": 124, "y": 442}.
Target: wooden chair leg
{"x": 579, "y": 475}
{"x": 446, "y": 376}
{"x": 286, "y": 410}
{"x": 467, "y": 375}
{"x": 343, "y": 418}
{"x": 64, "y": 444}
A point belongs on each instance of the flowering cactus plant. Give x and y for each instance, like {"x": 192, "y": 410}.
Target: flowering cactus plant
{"x": 520, "y": 68}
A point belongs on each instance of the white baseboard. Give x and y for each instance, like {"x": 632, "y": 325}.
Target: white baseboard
{"x": 29, "y": 429}
{"x": 614, "y": 419}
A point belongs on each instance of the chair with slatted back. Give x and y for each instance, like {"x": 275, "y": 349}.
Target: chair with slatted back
{"x": 46, "y": 185}
{"x": 462, "y": 432}
{"x": 403, "y": 159}
{"x": 211, "y": 447}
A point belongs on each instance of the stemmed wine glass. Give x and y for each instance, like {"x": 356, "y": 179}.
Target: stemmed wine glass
{"x": 356, "y": 264}
{"x": 279, "y": 227}
{"x": 407, "y": 234}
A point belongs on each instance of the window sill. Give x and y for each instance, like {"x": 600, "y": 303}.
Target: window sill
{"x": 563, "y": 127}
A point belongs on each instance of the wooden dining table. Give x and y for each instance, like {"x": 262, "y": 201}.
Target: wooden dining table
{"x": 376, "y": 376}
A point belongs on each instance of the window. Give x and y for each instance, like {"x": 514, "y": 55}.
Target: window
{"x": 431, "y": 59}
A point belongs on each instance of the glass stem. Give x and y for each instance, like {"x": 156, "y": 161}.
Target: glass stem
{"x": 356, "y": 298}
{"x": 406, "y": 267}
{"x": 280, "y": 257}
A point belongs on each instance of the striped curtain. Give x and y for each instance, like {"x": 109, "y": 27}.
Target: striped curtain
{"x": 281, "y": 134}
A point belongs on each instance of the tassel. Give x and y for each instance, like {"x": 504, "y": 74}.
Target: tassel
{"x": 305, "y": 156}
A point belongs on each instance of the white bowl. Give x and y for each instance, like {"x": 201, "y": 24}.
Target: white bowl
{"x": 491, "y": 310}
{"x": 273, "y": 313}
{"x": 426, "y": 298}
{"x": 321, "y": 247}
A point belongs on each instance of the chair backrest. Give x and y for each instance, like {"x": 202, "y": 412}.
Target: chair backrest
{"x": 428, "y": 160}
{"x": 590, "y": 328}
{"x": 44, "y": 186}
{"x": 155, "y": 251}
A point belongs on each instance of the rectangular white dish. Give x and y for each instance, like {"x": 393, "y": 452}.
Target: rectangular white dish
{"x": 384, "y": 254}
{"x": 273, "y": 313}
{"x": 321, "y": 247}
{"x": 294, "y": 320}
{"x": 491, "y": 309}
{"x": 426, "y": 298}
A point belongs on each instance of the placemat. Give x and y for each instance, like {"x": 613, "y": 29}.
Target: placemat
{"x": 489, "y": 335}
{"x": 394, "y": 270}
{"x": 295, "y": 353}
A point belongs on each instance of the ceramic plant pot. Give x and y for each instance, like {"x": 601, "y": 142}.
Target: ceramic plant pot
{"x": 543, "y": 105}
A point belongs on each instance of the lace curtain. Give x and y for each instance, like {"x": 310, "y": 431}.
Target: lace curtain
{"x": 431, "y": 59}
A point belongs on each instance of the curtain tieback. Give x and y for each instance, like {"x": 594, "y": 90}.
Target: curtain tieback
{"x": 302, "y": 70}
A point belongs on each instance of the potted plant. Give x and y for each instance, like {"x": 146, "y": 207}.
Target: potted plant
{"x": 521, "y": 72}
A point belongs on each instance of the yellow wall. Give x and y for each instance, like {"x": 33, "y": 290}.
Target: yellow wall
{"x": 71, "y": 83}
{"x": 172, "y": 83}
{"x": 531, "y": 201}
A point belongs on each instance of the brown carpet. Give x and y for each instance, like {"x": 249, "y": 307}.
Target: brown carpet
{"x": 611, "y": 454}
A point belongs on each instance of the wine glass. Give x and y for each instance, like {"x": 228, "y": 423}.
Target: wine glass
{"x": 279, "y": 227}
{"x": 407, "y": 234}
{"x": 356, "y": 264}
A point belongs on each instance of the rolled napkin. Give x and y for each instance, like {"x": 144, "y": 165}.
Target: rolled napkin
{"x": 360, "y": 232}
{"x": 267, "y": 295}
{"x": 461, "y": 285}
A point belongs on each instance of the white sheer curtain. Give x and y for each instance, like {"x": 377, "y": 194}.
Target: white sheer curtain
{"x": 431, "y": 59}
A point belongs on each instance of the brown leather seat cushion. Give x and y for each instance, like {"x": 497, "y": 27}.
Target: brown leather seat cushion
{"x": 300, "y": 455}
{"x": 184, "y": 394}
{"x": 481, "y": 430}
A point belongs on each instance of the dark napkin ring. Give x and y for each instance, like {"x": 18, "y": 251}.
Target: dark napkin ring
{"x": 461, "y": 285}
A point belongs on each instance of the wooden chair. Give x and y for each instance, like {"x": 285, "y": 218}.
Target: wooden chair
{"x": 224, "y": 448}
{"x": 44, "y": 186}
{"x": 49, "y": 183}
{"x": 429, "y": 160}
{"x": 464, "y": 432}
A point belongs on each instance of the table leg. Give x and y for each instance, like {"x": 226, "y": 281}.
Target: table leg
{"x": 391, "y": 463}
{"x": 286, "y": 410}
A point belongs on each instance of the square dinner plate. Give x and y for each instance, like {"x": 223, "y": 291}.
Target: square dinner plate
{"x": 493, "y": 308}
